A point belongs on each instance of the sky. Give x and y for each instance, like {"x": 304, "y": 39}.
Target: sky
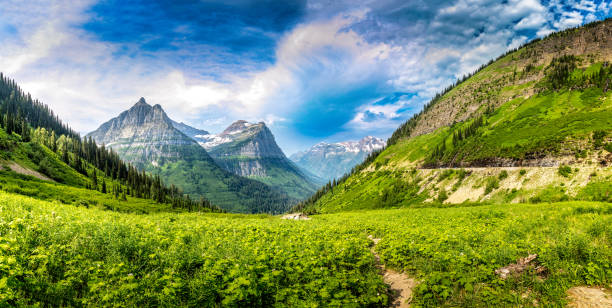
{"x": 313, "y": 71}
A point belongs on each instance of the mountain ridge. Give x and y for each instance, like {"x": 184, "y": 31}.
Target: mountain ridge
{"x": 533, "y": 125}
{"x": 332, "y": 160}
{"x": 249, "y": 149}
{"x": 145, "y": 136}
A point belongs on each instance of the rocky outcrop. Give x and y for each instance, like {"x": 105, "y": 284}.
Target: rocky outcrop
{"x": 143, "y": 134}
{"x": 147, "y": 138}
{"x": 333, "y": 160}
{"x": 249, "y": 149}
{"x": 471, "y": 98}
{"x": 242, "y": 138}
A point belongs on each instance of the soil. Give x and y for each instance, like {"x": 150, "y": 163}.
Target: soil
{"x": 400, "y": 284}
{"x": 20, "y": 169}
{"x": 592, "y": 297}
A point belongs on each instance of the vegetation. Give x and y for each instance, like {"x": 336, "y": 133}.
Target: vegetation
{"x": 67, "y": 158}
{"x": 60, "y": 255}
{"x": 565, "y": 171}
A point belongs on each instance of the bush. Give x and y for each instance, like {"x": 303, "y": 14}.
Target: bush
{"x": 565, "y": 171}
{"x": 445, "y": 174}
{"x": 442, "y": 196}
{"x": 503, "y": 175}
{"x": 598, "y": 137}
{"x": 492, "y": 184}
{"x": 523, "y": 172}
{"x": 608, "y": 147}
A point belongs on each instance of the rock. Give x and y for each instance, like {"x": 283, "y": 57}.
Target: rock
{"x": 296, "y": 216}
{"x": 514, "y": 269}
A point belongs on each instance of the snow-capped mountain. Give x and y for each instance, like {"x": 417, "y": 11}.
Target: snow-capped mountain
{"x": 333, "y": 160}
{"x": 249, "y": 149}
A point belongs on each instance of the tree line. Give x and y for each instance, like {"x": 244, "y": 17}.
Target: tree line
{"x": 36, "y": 122}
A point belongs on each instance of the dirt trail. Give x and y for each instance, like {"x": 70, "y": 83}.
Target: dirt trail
{"x": 589, "y": 297}
{"x": 20, "y": 169}
{"x": 401, "y": 285}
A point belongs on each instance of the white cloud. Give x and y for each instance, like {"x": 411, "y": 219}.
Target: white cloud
{"x": 86, "y": 83}
{"x": 569, "y": 20}
{"x": 533, "y": 21}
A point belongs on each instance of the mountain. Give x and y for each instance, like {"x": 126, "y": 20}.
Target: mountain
{"x": 45, "y": 159}
{"x": 188, "y": 130}
{"x": 534, "y": 125}
{"x": 145, "y": 137}
{"x": 332, "y": 160}
{"x": 249, "y": 149}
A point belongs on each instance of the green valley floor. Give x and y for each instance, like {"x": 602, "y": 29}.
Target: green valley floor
{"x": 57, "y": 254}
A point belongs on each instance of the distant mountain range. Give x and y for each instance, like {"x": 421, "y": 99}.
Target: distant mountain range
{"x": 147, "y": 138}
{"x": 250, "y": 150}
{"x": 333, "y": 160}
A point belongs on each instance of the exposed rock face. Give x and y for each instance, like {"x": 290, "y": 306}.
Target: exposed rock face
{"x": 147, "y": 138}
{"x": 466, "y": 100}
{"x": 143, "y": 134}
{"x": 249, "y": 149}
{"x": 242, "y": 138}
{"x": 333, "y": 160}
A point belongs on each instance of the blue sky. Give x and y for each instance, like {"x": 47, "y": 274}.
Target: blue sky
{"x": 314, "y": 71}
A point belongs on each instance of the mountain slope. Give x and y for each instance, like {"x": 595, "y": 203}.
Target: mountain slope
{"x": 534, "y": 125}
{"x": 250, "y": 150}
{"x": 188, "y": 130}
{"x": 147, "y": 138}
{"x": 333, "y": 160}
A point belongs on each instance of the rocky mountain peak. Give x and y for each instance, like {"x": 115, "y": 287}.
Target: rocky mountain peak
{"x": 241, "y": 126}
{"x": 141, "y": 133}
{"x": 141, "y": 102}
{"x": 332, "y": 160}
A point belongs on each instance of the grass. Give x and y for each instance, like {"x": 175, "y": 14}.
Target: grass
{"x": 61, "y": 255}
{"x": 29, "y": 186}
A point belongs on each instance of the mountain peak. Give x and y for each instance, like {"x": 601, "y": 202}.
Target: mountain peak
{"x": 240, "y": 126}
{"x": 333, "y": 160}
{"x": 141, "y": 102}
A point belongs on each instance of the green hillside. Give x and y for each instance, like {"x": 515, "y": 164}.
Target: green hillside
{"x": 197, "y": 176}
{"x": 31, "y": 169}
{"x": 504, "y": 134}
{"x": 52, "y": 162}
{"x": 280, "y": 173}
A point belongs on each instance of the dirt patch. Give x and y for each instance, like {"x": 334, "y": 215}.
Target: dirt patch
{"x": 583, "y": 297}
{"x": 296, "y": 216}
{"x": 400, "y": 284}
{"x": 15, "y": 167}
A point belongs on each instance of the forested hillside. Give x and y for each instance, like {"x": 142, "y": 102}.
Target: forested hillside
{"x": 534, "y": 125}
{"x": 34, "y": 141}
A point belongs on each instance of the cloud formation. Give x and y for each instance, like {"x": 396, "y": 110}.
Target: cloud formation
{"x": 313, "y": 70}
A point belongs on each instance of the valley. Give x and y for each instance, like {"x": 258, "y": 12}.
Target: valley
{"x": 498, "y": 193}
{"x": 195, "y": 259}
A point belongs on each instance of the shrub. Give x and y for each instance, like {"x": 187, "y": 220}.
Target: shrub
{"x": 503, "y": 175}
{"x": 492, "y": 184}
{"x": 523, "y": 172}
{"x": 442, "y": 196}
{"x": 565, "y": 171}
{"x": 598, "y": 137}
{"x": 445, "y": 174}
